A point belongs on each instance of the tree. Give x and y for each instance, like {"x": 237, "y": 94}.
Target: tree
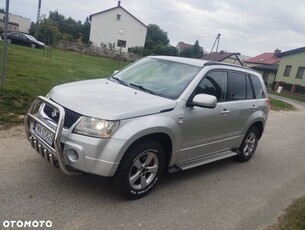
{"x": 49, "y": 31}
{"x": 59, "y": 27}
{"x": 195, "y": 52}
{"x": 155, "y": 37}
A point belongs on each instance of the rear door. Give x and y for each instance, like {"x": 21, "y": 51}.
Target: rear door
{"x": 240, "y": 107}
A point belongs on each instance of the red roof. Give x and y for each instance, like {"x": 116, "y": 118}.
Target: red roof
{"x": 264, "y": 58}
{"x": 184, "y": 46}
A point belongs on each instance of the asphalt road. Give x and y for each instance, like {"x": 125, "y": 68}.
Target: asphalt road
{"x": 222, "y": 195}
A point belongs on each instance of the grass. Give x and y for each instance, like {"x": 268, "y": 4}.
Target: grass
{"x": 29, "y": 74}
{"x": 293, "y": 217}
{"x": 280, "y": 105}
{"x": 287, "y": 95}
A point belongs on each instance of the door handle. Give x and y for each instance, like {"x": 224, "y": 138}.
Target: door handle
{"x": 225, "y": 111}
{"x": 254, "y": 107}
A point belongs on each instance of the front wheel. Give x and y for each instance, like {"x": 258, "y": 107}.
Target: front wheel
{"x": 140, "y": 169}
{"x": 33, "y": 45}
{"x": 249, "y": 144}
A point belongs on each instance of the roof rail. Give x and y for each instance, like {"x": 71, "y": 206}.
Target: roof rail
{"x": 227, "y": 64}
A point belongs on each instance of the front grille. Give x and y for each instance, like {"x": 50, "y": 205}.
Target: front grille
{"x": 70, "y": 116}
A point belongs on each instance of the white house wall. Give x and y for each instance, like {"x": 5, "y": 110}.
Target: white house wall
{"x": 24, "y": 23}
{"x": 105, "y": 28}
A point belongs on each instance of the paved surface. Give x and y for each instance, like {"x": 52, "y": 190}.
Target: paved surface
{"x": 222, "y": 195}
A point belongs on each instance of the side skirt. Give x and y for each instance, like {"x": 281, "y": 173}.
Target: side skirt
{"x": 202, "y": 161}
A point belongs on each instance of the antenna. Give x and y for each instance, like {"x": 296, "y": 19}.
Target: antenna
{"x": 216, "y": 40}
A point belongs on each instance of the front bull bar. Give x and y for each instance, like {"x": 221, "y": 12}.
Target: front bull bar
{"x": 54, "y": 154}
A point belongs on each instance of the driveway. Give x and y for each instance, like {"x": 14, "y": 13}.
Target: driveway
{"x": 222, "y": 195}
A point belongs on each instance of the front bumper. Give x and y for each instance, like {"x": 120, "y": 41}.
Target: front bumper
{"x": 71, "y": 152}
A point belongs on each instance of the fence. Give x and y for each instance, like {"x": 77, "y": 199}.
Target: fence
{"x": 97, "y": 51}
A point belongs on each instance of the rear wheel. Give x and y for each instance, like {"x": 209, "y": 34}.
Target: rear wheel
{"x": 33, "y": 45}
{"x": 140, "y": 169}
{"x": 9, "y": 40}
{"x": 249, "y": 144}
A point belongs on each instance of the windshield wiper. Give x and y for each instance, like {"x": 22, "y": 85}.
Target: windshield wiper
{"x": 119, "y": 80}
{"x": 141, "y": 87}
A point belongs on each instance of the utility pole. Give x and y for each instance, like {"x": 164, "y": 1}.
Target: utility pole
{"x": 38, "y": 18}
{"x": 216, "y": 41}
{"x": 4, "y": 44}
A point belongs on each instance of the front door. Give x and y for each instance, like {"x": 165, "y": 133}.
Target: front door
{"x": 204, "y": 129}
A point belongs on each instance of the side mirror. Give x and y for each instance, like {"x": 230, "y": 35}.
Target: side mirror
{"x": 204, "y": 100}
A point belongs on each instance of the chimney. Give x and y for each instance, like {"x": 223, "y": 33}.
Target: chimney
{"x": 119, "y": 3}
{"x": 276, "y": 52}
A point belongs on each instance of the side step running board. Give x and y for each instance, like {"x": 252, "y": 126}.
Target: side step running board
{"x": 202, "y": 161}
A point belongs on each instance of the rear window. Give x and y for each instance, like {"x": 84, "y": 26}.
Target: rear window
{"x": 238, "y": 86}
{"x": 258, "y": 89}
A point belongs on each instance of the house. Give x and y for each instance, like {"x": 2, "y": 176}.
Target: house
{"x": 291, "y": 71}
{"x": 222, "y": 56}
{"x": 16, "y": 23}
{"x": 266, "y": 64}
{"x": 118, "y": 27}
{"x": 181, "y": 46}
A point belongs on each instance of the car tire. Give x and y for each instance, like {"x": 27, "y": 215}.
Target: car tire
{"x": 248, "y": 145}
{"x": 140, "y": 169}
{"x": 9, "y": 40}
{"x": 33, "y": 45}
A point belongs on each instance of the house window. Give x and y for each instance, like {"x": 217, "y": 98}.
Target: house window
{"x": 300, "y": 72}
{"x": 287, "y": 70}
{"x": 118, "y": 17}
{"x": 121, "y": 43}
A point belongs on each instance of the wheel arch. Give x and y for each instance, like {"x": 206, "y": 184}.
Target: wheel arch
{"x": 160, "y": 137}
{"x": 260, "y": 126}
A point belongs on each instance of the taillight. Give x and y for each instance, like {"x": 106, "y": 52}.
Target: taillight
{"x": 268, "y": 104}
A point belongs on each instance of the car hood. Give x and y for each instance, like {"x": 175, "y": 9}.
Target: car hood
{"x": 108, "y": 100}
{"x": 40, "y": 43}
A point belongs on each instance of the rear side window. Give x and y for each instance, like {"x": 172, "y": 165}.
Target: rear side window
{"x": 258, "y": 89}
{"x": 237, "y": 86}
{"x": 250, "y": 94}
{"x": 214, "y": 83}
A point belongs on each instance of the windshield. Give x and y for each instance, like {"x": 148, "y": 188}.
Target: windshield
{"x": 160, "y": 77}
{"x": 31, "y": 37}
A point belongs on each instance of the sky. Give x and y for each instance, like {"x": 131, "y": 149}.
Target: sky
{"x": 249, "y": 27}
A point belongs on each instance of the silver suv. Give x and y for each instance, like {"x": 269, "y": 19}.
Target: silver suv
{"x": 159, "y": 113}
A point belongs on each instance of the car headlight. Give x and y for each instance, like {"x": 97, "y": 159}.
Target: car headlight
{"x": 96, "y": 127}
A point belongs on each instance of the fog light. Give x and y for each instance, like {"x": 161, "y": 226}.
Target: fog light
{"x": 72, "y": 155}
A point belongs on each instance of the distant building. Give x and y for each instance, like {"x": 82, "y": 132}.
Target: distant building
{"x": 16, "y": 23}
{"x": 291, "y": 71}
{"x": 118, "y": 27}
{"x": 184, "y": 46}
{"x": 222, "y": 56}
{"x": 266, "y": 64}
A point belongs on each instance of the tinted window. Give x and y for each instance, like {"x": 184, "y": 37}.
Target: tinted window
{"x": 258, "y": 89}
{"x": 214, "y": 83}
{"x": 250, "y": 94}
{"x": 238, "y": 86}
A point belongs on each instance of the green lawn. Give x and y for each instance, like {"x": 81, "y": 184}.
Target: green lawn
{"x": 280, "y": 105}
{"x": 287, "y": 95}
{"x": 293, "y": 218}
{"x": 29, "y": 74}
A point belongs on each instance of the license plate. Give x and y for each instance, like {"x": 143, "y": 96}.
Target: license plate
{"x": 44, "y": 133}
